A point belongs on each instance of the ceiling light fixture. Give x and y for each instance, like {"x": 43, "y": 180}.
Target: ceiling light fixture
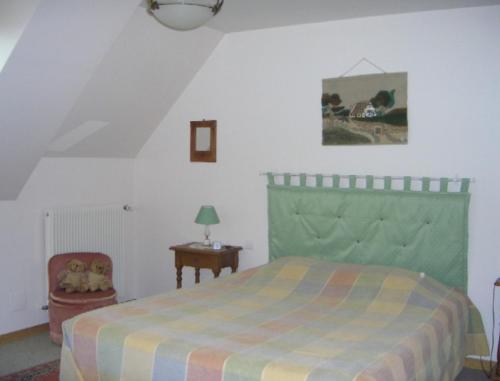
{"x": 182, "y": 14}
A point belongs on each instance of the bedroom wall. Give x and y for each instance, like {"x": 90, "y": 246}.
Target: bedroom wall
{"x": 264, "y": 88}
{"x": 55, "y": 182}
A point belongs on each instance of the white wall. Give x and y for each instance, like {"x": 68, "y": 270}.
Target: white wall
{"x": 55, "y": 182}
{"x": 264, "y": 88}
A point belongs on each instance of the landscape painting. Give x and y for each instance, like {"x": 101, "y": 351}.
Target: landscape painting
{"x": 365, "y": 109}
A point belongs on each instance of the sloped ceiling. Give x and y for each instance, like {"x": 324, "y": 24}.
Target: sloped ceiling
{"x": 95, "y": 78}
{"x": 137, "y": 82}
{"x": 59, "y": 50}
{"x": 14, "y": 15}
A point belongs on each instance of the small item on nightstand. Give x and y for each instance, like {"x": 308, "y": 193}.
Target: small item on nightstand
{"x": 497, "y": 282}
{"x": 216, "y": 245}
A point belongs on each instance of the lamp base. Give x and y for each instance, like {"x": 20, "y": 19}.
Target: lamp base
{"x": 206, "y": 241}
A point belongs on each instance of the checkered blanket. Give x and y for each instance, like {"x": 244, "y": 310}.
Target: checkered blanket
{"x": 293, "y": 319}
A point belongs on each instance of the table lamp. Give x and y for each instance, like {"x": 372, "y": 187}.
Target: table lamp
{"x": 207, "y": 216}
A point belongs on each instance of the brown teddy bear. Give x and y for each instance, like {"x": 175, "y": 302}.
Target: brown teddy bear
{"x": 73, "y": 278}
{"x": 97, "y": 279}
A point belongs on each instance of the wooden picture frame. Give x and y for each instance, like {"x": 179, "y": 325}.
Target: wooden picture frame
{"x": 204, "y": 141}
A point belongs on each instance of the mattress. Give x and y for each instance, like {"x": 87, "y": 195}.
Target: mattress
{"x": 293, "y": 319}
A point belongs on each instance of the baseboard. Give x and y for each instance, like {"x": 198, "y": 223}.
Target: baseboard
{"x": 475, "y": 363}
{"x": 486, "y": 365}
{"x": 18, "y": 335}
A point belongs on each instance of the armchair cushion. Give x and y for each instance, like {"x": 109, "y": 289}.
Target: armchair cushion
{"x": 61, "y": 296}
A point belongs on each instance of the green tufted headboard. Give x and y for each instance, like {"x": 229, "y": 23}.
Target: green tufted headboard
{"x": 423, "y": 231}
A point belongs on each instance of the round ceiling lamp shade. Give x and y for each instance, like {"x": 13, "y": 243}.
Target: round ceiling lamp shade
{"x": 184, "y": 14}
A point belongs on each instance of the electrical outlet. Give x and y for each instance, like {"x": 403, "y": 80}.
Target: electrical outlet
{"x": 248, "y": 245}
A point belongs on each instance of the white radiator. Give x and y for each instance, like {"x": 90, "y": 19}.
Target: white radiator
{"x": 104, "y": 229}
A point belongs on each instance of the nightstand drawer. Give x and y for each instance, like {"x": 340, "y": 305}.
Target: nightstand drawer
{"x": 201, "y": 260}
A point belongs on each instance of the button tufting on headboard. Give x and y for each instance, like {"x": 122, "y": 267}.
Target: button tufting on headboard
{"x": 420, "y": 231}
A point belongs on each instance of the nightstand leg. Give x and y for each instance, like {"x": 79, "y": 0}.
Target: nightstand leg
{"x": 197, "y": 275}
{"x": 179, "y": 276}
{"x": 234, "y": 266}
{"x": 497, "y": 372}
{"x": 216, "y": 272}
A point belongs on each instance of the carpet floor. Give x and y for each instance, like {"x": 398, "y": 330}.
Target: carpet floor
{"x": 40, "y": 354}
{"x": 27, "y": 352}
{"x": 43, "y": 372}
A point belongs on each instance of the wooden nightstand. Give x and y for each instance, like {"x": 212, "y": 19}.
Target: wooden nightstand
{"x": 202, "y": 257}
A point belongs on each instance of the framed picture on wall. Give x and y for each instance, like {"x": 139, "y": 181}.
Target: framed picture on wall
{"x": 365, "y": 109}
{"x": 203, "y": 146}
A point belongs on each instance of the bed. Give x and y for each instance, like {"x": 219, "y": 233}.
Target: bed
{"x": 324, "y": 308}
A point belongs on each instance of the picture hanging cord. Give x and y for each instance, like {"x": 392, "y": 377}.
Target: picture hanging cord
{"x": 361, "y": 60}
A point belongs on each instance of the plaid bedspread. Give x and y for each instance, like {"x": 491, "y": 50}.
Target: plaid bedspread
{"x": 293, "y": 319}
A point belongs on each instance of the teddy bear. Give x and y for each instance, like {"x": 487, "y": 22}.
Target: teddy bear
{"x": 97, "y": 279}
{"x": 73, "y": 278}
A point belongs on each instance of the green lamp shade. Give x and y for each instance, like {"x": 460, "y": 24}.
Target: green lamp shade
{"x": 207, "y": 216}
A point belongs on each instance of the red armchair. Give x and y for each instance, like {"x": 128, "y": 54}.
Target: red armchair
{"x": 63, "y": 305}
